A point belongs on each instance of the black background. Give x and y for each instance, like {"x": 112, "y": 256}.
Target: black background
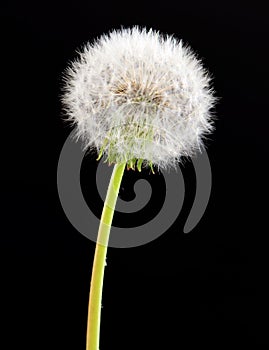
{"x": 207, "y": 288}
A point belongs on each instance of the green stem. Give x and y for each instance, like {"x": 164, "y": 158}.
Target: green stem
{"x": 94, "y": 312}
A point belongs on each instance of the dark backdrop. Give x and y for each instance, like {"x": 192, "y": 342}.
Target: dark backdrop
{"x": 207, "y": 288}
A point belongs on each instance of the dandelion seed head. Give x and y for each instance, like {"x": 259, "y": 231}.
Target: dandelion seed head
{"x": 139, "y": 95}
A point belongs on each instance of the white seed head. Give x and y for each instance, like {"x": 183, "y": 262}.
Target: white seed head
{"x": 138, "y": 95}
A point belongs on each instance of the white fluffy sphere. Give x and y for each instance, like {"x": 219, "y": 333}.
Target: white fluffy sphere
{"x": 136, "y": 95}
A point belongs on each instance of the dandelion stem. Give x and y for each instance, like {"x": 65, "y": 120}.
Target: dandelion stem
{"x": 94, "y": 312}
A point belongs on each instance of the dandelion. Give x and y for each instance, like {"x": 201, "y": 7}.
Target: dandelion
{"x": 139, "y": 98}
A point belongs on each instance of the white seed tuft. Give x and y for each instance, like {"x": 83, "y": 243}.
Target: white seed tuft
{"x": 136, "y": 95}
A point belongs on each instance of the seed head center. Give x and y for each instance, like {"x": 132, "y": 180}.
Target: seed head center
{"x": 137, "y": 92}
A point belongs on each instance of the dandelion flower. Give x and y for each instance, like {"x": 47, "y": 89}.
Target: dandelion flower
{"x": 138, "y": 98}
{"x": 137, "y": 95}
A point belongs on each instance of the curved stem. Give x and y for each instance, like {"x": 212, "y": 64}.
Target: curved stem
{"x": 94, "y": 312}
